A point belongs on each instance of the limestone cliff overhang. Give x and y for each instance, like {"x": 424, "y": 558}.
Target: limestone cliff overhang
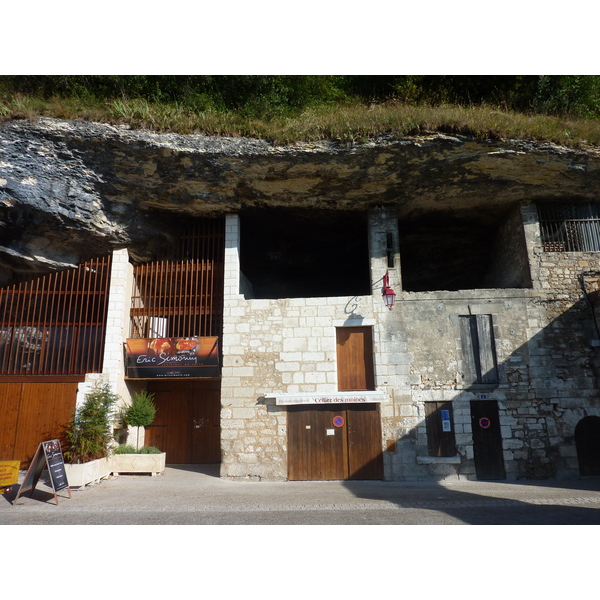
{"x": 73, "y": 189}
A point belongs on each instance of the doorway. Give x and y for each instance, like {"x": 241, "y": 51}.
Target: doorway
{"x": 487, "y": 440}
{"x": 187, "y": 424}
{"x": 587, "y": 442}
{"x": 341, "y": 442}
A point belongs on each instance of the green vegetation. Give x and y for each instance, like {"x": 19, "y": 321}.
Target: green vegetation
{"x": 125, "y": 449}
{"x": 149, "y": 450}
{"x": 89, "y": 434}
{"x": 287, "y": 108}
{"x": 129, "y": 449}
{"x": 141, "y": 411}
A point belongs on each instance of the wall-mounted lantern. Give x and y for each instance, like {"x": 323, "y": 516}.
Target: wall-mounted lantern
{"x": 389, "y": 295}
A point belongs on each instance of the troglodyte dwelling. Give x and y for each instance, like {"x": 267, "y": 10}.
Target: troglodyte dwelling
{"x": 409, "y": 309}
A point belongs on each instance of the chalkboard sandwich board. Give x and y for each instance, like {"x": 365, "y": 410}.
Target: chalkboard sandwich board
{"x": 48, "y": 455}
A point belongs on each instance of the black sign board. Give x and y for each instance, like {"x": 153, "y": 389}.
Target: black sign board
{"x": 172, "y": 358}
{"x": 49, "y": 454}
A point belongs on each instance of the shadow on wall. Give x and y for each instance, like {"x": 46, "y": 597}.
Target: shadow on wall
{"x": 546, "y": 422}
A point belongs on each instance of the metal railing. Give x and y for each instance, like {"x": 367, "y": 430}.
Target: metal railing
{"x": 570, "y": 227}
{"x": 54, "y": 324}
{"x": 181, "y": 293}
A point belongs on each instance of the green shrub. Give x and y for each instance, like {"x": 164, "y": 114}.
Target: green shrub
{"x": 125, "y": 449}
{"x": 89, "y": 434}
{"x": 140, "y": 412}
{"x": 149, "y": 450}
{"x": 129, "y": 449}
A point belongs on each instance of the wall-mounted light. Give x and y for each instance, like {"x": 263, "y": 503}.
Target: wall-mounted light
{"x": 389, "y": 295}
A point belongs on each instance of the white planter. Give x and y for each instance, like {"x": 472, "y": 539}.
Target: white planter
{"x": 139, "y": 463}
{"x": 92, "y": 471}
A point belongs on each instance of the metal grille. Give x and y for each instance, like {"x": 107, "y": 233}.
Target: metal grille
{"x": 181, "y": 293}
{"x": 570, "y": 227}
{"x": 54, "y": 325}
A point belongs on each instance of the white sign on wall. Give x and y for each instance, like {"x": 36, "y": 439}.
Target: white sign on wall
{"x": 335, "y": 398}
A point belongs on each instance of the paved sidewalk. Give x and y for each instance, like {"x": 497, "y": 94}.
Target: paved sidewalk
{"x": 196, "y": 495}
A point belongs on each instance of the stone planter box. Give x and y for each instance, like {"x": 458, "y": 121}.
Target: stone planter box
{"x": 139, "y": 463}
{"x": 92, "y": 471}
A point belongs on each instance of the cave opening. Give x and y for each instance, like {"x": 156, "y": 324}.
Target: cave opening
{"x": 304, "y": 253}
{"x": 463, "y": 250}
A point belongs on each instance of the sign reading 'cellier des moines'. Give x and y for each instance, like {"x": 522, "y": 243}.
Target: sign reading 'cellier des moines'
{"x": 172, "y": 357}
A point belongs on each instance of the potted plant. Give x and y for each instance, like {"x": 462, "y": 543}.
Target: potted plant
{"x": 89, "y": 437}
{"x": 147, "y": 459}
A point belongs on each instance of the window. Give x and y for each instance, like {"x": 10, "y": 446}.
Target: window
{"x": 440, "y": 429}
{"x": 479, "y": 366}
{"x": 570, "y": 227}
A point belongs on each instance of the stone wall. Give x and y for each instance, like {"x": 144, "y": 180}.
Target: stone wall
{"x": 545, "y": 361}
{"x": 433, "y": 339}
{"x": 564, "y": 360}
{"x": 289, "y": 346}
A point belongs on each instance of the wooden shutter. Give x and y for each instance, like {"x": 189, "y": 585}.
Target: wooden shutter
{"x": 478, "y": 350}
{"x": 355, "y": 358}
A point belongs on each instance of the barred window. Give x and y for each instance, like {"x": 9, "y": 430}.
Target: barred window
{"x": 570, "y": 227}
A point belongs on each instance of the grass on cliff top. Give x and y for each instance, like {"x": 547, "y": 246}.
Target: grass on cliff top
{"x": 352, "y": 122}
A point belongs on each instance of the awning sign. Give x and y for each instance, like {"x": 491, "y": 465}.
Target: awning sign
{"x": 150, "y": 358}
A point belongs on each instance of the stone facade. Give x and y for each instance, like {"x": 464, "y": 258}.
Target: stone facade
{"x": 546, "y": 344}
{"x": 542, "y": 333}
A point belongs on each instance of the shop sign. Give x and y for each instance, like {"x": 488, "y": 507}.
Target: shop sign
{"x": 47, "y": 456}
{"x": 336, "y": 398}
{"x": 150, "y": 358}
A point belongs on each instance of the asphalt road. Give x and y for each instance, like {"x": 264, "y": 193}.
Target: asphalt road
{"x": 195, "y": 495}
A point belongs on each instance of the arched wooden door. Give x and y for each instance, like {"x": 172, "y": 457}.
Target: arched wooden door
{"x": 587, "y": 442}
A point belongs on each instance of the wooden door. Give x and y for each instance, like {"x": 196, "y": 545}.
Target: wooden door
{"x": 334, "y": 442}
{"x": 205, "y": 413}
{"x": 365, "y": 460}
{"x": 355, "y": 358}
{"x": 587, "y": 443}
{"x": 187, "y": 423}
{"x": 487, "y": 440}
{"x": 33, "y": 412}
{"x": 170, "y": 430}
{"x": 317, "y": 448}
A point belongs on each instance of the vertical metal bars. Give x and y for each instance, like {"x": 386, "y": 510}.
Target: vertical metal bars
{"x": 181, "y": 293}
{"x": 570, "y": 227}
{"x": 54, "y": 324}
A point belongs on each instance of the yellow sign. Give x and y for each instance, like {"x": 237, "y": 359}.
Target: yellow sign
{"x": 9, "y": 472}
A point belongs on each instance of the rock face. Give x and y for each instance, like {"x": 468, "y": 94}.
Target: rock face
{"x": 72, "y": 190}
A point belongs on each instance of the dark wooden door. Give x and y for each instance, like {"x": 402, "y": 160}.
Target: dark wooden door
{"x": 365, "y": 460}
{"x": 334, "y": 442}
{"x": 187, "y": 423}
{"x": 487, "y": 440}
{"x": 317, "y": 449}
{"x": 587, "y": 442}
{"x": 205, "y": 412}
